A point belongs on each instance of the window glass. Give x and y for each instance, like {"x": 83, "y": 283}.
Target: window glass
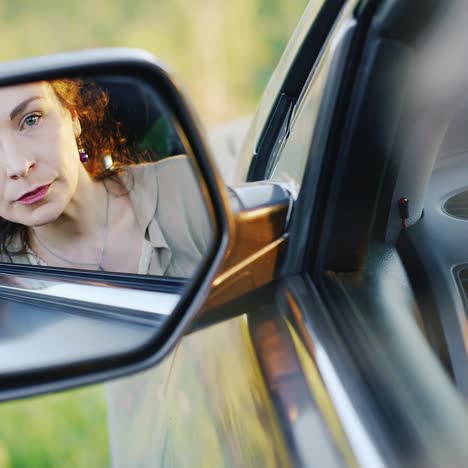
{"x": 285, "y": 63}
{"x": 289, "y": 162}
{"x": 274, "y": 86}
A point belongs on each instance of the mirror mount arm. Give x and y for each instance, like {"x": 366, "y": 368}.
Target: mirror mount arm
{"x": 261, "y": 212}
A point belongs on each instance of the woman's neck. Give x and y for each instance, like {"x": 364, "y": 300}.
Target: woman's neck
{"x": 84, "y": 221}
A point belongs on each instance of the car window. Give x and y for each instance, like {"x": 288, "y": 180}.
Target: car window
{"x": 285, "y": 63}
{"x": 289, "y": 156}
{"x": 287, "y": 67}
{"x": 287, "y": 164}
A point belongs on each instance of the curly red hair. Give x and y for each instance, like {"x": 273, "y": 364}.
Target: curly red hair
{"x": 100, "y": 133}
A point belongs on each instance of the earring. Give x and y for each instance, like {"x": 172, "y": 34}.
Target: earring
{"x": 83, "y": 154}
{"x": 107, "y": 162}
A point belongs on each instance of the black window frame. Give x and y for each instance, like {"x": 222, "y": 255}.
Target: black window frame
{"x": 291, "y": 88}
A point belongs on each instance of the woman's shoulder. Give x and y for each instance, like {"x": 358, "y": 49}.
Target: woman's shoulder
{"x": 165, "y": 176}
{"x": 174, "y": 165}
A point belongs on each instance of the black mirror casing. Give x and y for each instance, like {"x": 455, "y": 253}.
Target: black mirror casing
{"x": 144, "y": 67}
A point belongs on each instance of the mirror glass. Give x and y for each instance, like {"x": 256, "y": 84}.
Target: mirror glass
{"x": 95, "y": 178}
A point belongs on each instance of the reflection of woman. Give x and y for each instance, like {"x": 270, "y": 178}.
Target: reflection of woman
{"x": 60, "y": 205}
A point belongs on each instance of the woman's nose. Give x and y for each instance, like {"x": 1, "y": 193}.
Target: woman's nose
{"x": 19, "y": 168}
{"x": 14, "y": 162}
{"x": 15, "y": 159}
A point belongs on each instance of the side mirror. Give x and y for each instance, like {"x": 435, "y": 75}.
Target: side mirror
{"x": 117, "y": 234}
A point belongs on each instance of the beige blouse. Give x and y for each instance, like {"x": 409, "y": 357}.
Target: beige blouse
{"x": 169, "y": 207}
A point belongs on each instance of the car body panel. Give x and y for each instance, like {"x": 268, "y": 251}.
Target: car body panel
{"x": 195, "y": 410}
{"x": 234, "y": 394}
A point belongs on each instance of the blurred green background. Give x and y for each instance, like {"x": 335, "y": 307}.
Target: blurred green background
{"x": 223, "y": 52}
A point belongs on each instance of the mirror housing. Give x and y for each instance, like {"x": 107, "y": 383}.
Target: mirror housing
{"x": 52, "y": 376}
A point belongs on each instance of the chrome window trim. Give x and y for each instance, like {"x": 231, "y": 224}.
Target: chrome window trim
{"x": 153, "y": 302}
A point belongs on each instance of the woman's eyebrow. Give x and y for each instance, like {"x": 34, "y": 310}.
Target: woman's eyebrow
{"x": 22, "y": 105}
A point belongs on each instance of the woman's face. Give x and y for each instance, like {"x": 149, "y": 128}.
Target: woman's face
{"x": 39, "y": 161}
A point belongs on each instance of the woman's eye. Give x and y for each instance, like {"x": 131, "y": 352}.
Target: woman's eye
{"x": 31, "y": 120}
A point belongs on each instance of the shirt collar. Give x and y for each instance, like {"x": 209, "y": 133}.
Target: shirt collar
{"x": 141, "y": 182}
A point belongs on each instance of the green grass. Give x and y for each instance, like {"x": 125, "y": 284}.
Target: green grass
{"x": 66, "y": 429}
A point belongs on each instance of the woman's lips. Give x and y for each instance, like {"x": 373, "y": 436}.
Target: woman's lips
{"x": 34, "y": 196}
